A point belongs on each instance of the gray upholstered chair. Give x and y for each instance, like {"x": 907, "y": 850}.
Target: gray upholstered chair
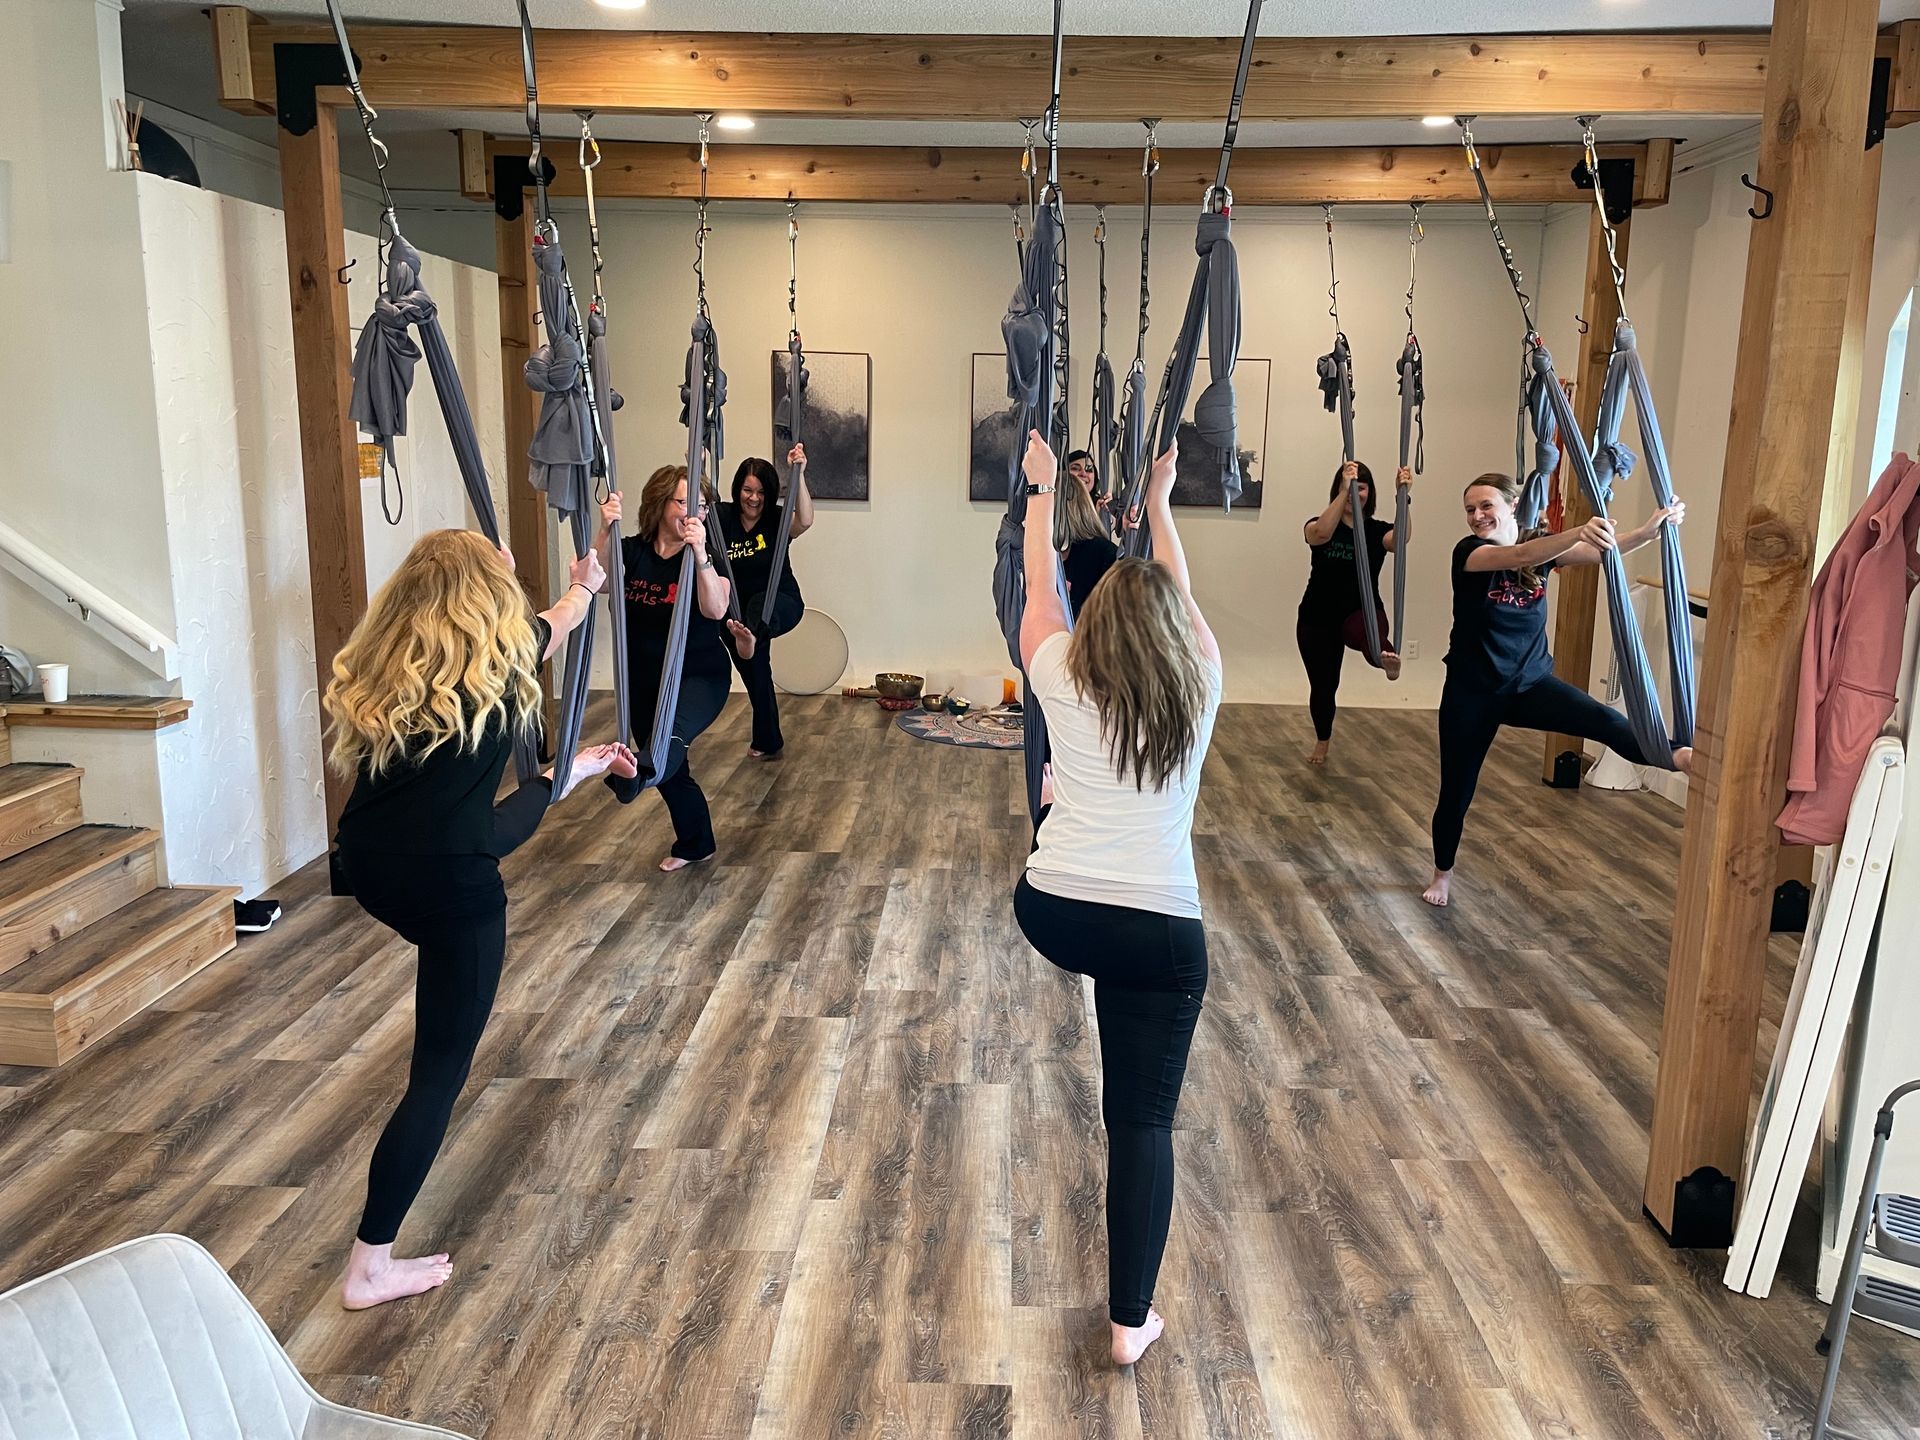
{"x": 151, "y": 1341}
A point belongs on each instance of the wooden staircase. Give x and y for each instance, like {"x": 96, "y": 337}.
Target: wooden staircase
{"x": 87, "y": 938}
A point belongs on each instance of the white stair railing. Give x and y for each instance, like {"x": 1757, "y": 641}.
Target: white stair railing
{"x": 99, "y": 612}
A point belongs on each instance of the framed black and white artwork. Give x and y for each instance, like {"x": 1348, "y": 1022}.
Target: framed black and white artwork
{"x": 992, "y": 430}
{"x": 1197, "y": 481}
{"x": 835, "y": 423}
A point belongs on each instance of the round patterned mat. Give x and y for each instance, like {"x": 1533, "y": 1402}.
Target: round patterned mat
{"x": 985, "y": 729}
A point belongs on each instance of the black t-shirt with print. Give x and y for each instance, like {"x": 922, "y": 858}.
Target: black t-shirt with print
{"x": 1333, "y": 582}
{"x": 653, "y": 584}
{"x": 1499, "y": 639}
{"x": 750, "y": 552}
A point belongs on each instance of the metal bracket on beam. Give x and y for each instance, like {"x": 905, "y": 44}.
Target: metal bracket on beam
{"x": 1616, "y": 186}
{"x": 1879, "y": 99}
{"x": 510, "y": 181}
{"x": 298, "y": 71}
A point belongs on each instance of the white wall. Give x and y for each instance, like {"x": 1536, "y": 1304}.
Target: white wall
{"x": 921, "y": 289}
{"x": 76, "y": 398}
{"x": 241, "y": 780}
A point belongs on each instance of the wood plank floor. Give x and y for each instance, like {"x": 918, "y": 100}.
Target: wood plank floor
{"x": 806, "y": 1143}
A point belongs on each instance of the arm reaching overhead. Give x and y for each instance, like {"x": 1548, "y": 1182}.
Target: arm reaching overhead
{"x": 1167, "y": 549}
{"x": 1042, "y": 615}
{"x": 802, "y": 497}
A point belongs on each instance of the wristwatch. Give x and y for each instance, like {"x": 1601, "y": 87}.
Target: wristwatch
{"x": 1040, "y": 489}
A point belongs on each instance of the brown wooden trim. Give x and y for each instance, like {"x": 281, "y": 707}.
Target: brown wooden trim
{"x": 526, "y": 507}
{"x": 476, "y": 179}
{"x": 98, "y": 712}
{"x": 1518, "y": 174}
{"x": 1786, "y": 406}
{"x": 998, "y": 77}
{"x": 1901, "y": 43}
{"x": 329, "y": 452}
{"x": 233, "y": 60}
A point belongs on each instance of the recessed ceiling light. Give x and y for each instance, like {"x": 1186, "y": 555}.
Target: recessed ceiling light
{"x": 623, "y": 4}
{"x": 735, "y": 122}
{"x": 1435, "y": 121}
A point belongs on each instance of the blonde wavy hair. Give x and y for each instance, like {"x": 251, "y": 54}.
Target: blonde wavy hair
{"x": 1074, "y": 517}
{"x": 1135, "y": 655}
{"x": 445, "y": 648}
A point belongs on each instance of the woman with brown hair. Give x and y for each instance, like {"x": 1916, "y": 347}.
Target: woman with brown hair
{"x": 653, "y": 555}
{"x": 1110, "y": 891}
{"x": 749, "y": 524}
{"x": 1499, "y": 671}
{"x": 1087, "y": 551}
{"x": 429, "y": 695}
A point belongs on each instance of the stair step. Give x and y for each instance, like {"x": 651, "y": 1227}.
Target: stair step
{"x": 37, "y": 802}
{"x": 62, "y": 885}
{"x": 71, "y": 994}
{"x": 1896, "y": 1225}
{"x": 1879, "y": 1298}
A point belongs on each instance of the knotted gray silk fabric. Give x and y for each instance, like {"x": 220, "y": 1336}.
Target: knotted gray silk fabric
{"x": 1106, "y": 433}
{"x": 383, "y": 363}
{"x": 1213, "y": 412}
{"x": 1544, "y": 415}
{"x": 562, "y": 447}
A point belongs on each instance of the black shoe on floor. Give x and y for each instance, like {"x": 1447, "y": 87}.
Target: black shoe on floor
{"x": 250, "y": 917}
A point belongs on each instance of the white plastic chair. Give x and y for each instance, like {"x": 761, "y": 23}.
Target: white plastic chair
{"x": 152, "y": 1341}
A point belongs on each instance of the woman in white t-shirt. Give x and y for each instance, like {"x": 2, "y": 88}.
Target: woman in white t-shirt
{"x": 1129, "y": 697}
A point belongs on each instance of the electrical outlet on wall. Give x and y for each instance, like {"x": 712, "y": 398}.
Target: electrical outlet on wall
{"x": 1413, "y": 650}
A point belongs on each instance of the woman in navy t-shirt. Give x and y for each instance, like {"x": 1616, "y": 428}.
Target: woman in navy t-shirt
{"x": 1499, "y": 671}
{"x": 1331, "y": 621}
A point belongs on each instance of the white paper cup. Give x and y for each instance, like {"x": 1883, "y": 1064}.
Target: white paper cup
{"x": 53, "y": 683}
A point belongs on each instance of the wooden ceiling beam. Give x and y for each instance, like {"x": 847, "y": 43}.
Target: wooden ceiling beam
{"x": 1517, "y": 174}
{"x": 999, "y": 77}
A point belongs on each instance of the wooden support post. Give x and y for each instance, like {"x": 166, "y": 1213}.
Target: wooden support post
{"x": 322, "y": 347}
{"x": 526, "y": 507}
{"x": 1785, "y": 396}
{"x": 1577, "y": 590}
{"x": 1836, "y": 505}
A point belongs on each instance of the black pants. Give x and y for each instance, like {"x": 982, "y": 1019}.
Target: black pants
{"x": 446, "y": 907}
{"x": 1149, "y": 976}
{"x": 757, "y": 675}
{"x": 1469, "y": 719}
{"x": 1323, "y": 647}
{"x": 703, "y": 695}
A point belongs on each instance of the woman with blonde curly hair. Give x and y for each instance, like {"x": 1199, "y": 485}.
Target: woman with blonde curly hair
{"x": 429, "y": 696}
{"x": 1110, "y": 891}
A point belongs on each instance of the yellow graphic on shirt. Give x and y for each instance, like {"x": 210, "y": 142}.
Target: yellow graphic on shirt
{"x": 746, "y": 549}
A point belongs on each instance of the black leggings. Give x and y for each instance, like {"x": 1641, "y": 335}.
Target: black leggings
{"x": 1149, "y": 976}
{"x": 462, "y": 948}
{"x": 703, "y": 695}
{"x": 757, "y": 675}
{"x": 1322, "y": 648}
{"x": 1470, "y": 718}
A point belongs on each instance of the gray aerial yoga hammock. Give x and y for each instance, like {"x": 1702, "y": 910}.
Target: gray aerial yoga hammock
{"x": 1033, "y": 333}
{"x": 1552, "y": 417}
{"x": 1412, "y": 370}
{"x": 1103, "y": 434}
{"x": 1335, "y": 371}
{"x": 1213, "y": 301}
{"x": 787, "y": 419}
{"x": 1131, "y": 433}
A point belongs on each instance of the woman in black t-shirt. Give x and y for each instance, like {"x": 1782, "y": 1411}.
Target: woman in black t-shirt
{"x": 1331, "y": 621}
{"x": 1499, "y": 671}
{"x": 750, "y": 525}
{"x": 1081, "y": 536}
{"x": 429, "y": 694}
{"x": 653, "y": 556}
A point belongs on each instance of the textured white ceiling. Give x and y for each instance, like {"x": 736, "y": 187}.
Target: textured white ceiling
{"x": 1088, "y": 17}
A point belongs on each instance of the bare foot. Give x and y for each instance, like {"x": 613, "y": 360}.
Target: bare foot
{"x": 1319, "y": 755}
{"x": 674, "y": 862}
{"x": 743, "y": 640}
{"x": 1390, "y": 663}
{"x": 1683, "y": 759}
{"x": 1436, "y": 893}
{"x": 374, "y": 1277}
{"x": 1130, "y": 1343}
{"x": 615, "y": 760}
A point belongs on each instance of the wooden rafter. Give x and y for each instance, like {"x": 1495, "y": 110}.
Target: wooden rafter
{"x": 1519, "y": 174}
{"x": 999, "y": 77}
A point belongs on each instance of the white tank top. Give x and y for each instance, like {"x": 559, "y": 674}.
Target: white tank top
{"x": 1104, "y": 840}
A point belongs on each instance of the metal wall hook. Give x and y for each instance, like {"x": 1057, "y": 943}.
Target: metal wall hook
{"x": 341, "y": 273}
{"x": 1761, "y": 190}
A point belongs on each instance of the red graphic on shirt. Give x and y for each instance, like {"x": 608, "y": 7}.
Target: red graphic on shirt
{"x": 1509, "y": 590}
{"x": 652, "y": 592}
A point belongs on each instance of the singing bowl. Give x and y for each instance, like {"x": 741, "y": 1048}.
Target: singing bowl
{"x": 897, "y": 685}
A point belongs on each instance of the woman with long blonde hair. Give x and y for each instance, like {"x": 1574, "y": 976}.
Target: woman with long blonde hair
{"x": 655, "y": 559}
{"x": 429, "y": 695}
{"x": 1499, "y": 671}
{"x": 1110, "y": 890}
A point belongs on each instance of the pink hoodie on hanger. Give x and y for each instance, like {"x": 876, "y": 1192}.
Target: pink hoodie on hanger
{"x": 1850, "y": 659}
